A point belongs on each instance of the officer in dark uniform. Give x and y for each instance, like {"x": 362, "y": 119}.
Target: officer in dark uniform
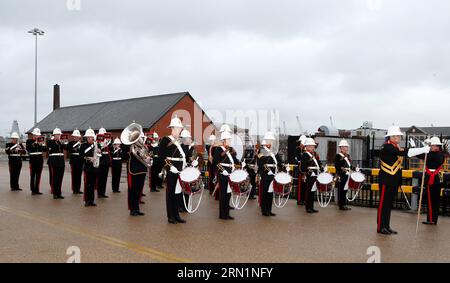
{"x": 75, "y": 161}
{"x": 157, "y": 165}
{"x": 105, "y": 162}
{"x": 14, "y": 150}
{"x": 301, "y": 186}
{"x": 435, "y": 160}
{"x": 171, "y": 152}
{"x": 56, "y": 163}
{"x": 342, "y": 163}
{"x": 90, "y": 166}
{"x": 116, "y": 165}
{"x": 268, "y": 164}
{"x": 225, "y": 159}
{"x": 35, "y": 147}
{"x": 310, "y": 169}
{"x": 390, "y": 176}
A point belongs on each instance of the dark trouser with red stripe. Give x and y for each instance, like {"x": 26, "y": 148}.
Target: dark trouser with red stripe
{"x": 35, "y": 174}
{"x": 342, "y": 194}
{"x": 309, "y": 194}
{"x": 266, "y": 197}
{"x": 57, "y": 178}
{"x": 434, "y": 199}
{"x": 90, "y": 179}
{"x": 116, "y": 172}
{"x": 102, "y": 179}
{"x": 387, "y": 196}
{"x": 224, "y": 198}
{"x": 76, "y": 170}
{"x": 171, "y": 198}
{"x": 135, "y": 187}
{"x": 14, "y": 174}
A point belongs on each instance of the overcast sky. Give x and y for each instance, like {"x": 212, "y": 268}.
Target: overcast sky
{"x": 355, "y": 60}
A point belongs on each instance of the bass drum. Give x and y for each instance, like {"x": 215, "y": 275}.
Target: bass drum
{"x": 239, "y": 181}
{"x": 192, "y": 185}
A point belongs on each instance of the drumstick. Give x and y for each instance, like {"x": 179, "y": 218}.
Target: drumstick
{"x": 421, "y": 192}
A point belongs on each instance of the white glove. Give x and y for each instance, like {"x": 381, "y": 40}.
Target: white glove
{"x": 270, "y": 173}
{"x": 194, "y": 163}
{"x": 225, "y": 173}
{"x": 288, "y": 168}
{"x": 418, "y": 151}
{"x": 174, "y": 170}
{"x": 243, "y": 164}
{"x": 412, "y": 143}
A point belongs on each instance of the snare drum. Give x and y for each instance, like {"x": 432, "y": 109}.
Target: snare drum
{"x": 356, "y": 180}
{"x": 238, "y": 181}
{"x": 324, "y": 182}
{"x": 282, "y": 183}
{"x": 190, "y": 180}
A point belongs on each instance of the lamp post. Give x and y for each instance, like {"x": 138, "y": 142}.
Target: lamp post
{"x": 35, "y": 32}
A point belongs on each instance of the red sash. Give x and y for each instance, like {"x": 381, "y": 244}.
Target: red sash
{"x": 432, "y": 174}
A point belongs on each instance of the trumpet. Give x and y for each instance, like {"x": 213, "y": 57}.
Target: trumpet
{"x": 131, "y": 135}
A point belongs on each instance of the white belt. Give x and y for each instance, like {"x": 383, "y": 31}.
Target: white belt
{"x": 175, "y": 158}
{"x": 432, "y": 170}
{"x": 155, "y": 155}
{"x": 117, "y": 158}
{"x": 76, "y": 153}
{"x": 105, "y": 152}
{"x": 35, "y": 153}
{"x": 271, "y": 165}
{"x": 14, "y": 155}
{"x": 56, "y": 154}
{"x": 226, "y": 164}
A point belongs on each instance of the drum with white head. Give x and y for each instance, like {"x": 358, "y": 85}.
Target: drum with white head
{"x": 192, "y": 185}
{"x": 240, "y": 188}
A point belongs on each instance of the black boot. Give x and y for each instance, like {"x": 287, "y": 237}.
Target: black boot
{"x": 172, "y": 220}
{"x": 180, "y": 220}
{"x": 384, "y": 231}
{"x": 392, "y": 231}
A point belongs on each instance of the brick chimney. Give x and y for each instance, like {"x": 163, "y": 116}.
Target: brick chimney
{"x": 56, "y": 97}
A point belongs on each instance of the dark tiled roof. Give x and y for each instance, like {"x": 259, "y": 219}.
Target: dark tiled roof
{"x": 111, "y": 115}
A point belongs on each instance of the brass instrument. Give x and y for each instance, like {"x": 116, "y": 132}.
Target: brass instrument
{"x": 95, "y": 157}
{"x": 131, "y": 135}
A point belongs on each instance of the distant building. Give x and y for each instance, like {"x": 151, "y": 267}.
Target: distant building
{"x": 152, "y": 112}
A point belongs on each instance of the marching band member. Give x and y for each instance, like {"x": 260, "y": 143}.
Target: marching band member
{"x": 76, "y": 163}
{"x": 211, "y": 167}
{"x": 268, "y": 165}
{"x": 90, "y": 154}
{"x": 116, "y": 165}
{"x": 301, "y": 186}
{"x": 156, "y": 168}
{"x": 251, "y": 170}
{"x": 225, "y": 159}
{"x": 342, "y": 163}
{"x": 13, "y": 149}
{"x": 223, "y": 128}
{"x": 136, "y": 172}
{"x": 390, "y": 176}
{"x": 172, "y": 153}
{"x": 105, "y": 162}
{"x": 189, "y": 149}
{"x": 56, "y": 163}
{"x": 35, "y": 149}
{"x": 435, "y": 160}
{"x": 310, "y": 168}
